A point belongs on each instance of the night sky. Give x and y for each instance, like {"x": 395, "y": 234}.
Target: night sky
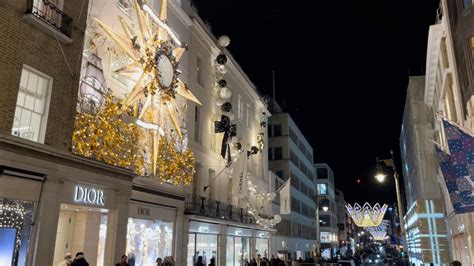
{"x": 341, "y": 70}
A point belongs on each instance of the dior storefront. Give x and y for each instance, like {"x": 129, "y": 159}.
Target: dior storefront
{"x": 53, "y": 203}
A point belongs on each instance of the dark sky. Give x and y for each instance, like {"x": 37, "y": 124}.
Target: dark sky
{"x": 341, "y": 68}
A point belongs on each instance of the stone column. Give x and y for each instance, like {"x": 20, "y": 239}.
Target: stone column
{"x": 222, "y": 249}
{"x": 44, "y": 230}
{"x": 117, "y": 221}
{"x": 253, "y": 244}
{"x": 182, "y": 260}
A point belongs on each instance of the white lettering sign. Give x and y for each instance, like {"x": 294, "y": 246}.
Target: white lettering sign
{"x": 89, "y": 196}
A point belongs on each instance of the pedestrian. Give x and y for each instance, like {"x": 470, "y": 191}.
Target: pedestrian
{"x": 213, "y": 262}
{"x": 246, "y": 262}
{"x": 253, "y": 262}
{"x": 67, "y": 260}
{"x": 199, "y": 262}
{"x": 168, "y": 261}
{"x": 123, "y": 261}
{"x": 159, "y": 262}
{"x": 455, "y": 263}
{"x": 80, "y": 260}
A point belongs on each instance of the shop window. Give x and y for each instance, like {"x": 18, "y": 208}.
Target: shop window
{"x": 15, "y": 230}
{"x": 237, "y": 250}
{"x": 31, "y": 113}
{"x": 148, "y": 240}
{"x": 261, "y": 247}
{"x": 201, "y": 245}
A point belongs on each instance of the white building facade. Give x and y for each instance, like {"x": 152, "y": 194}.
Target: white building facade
{"x": 72, "y": 203}
{"x": 291, "y": 156}
{"x": 448, "y": 91}
{"x": 326, "y": 196}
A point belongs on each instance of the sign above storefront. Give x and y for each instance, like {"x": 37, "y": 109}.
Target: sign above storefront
{"x": 89, "y": 195}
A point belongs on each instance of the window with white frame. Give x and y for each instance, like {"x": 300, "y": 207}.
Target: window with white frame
{"x": 199, "y": 70}
{"x": 248, "y": 115}
{"x": 31, "y": 112}
{"x": 126, "y": 6}
{"x": 196, "y": 124}
{"x": 240, "y": 108}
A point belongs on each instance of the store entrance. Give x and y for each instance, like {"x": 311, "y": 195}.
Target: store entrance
{"x": 81, "y": 229}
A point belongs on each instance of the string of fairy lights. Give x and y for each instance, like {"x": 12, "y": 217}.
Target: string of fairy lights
{"x": 12, "y": 215}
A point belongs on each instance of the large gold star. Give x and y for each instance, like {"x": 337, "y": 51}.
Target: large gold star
{"x": 154, "y": 52}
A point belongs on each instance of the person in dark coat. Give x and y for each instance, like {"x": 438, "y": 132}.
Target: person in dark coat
{"x": 80, "y": 260}
{"x": 123, "y": 261}
{"x": 213, "y": 262}
{"x": 199, "y": 262}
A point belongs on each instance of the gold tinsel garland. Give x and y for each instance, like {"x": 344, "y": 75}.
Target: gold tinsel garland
{"x": 106, "y": 137}
{"x": 174, "y": 166}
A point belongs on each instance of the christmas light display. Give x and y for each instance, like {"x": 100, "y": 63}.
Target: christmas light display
{"x": 379, "y": 232}
{"x": 145, "y": 131}
{"x": 12, "y": 215}
{"x": 106, "y": 137}
{"x": 367, "y": 216}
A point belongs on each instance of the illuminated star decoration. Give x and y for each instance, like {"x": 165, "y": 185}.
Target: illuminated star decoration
{"x": 153, "y": 51}
{"x": 367, "y": 216}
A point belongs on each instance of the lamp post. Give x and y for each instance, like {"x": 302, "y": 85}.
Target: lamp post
{"x": 380, "y": 176}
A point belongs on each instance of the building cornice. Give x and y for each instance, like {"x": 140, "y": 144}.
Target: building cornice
{"x": 179, "y": 12}
{"x": 44, "y": 152}
{"x": 435, "y": 34}
{"x": 204, "y": 34}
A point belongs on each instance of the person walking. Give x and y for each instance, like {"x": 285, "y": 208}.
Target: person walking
{"x": 67, "y": 260}
{"x": 199, "y": 262}
{"x": 159, "y": 262}
{"x": 213, "y": 262}
{"x": 80, "y": 260}
{"x": 123, "y": 261}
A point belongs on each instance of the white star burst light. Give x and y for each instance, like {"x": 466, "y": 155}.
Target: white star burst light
{"x": 367, "y": 216}
{"x": 153, "y": 51}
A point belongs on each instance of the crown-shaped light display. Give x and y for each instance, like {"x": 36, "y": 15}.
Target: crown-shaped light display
{"x": 379, "y": 232}
{"x": 367, "y": 216}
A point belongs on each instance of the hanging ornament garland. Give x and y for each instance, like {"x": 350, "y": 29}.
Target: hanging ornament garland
{"x": 223, "y": 102}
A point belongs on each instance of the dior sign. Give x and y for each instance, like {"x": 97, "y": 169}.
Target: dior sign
{"x": 89, "y": 196}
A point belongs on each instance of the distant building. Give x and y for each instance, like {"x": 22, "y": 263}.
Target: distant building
{"x": 342, "y": 220}
{"x": 326, "y": 196}
{"x": 291, "y": 156}
{"x": 424, "y": 226}
{"x": 449, "y": 90}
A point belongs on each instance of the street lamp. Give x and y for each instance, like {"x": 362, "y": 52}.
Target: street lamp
{"x": 380, "y": 176}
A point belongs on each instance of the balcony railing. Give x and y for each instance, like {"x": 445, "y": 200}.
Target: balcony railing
{"x": 51, "y": 15}
{"x": 198, "y": 205}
